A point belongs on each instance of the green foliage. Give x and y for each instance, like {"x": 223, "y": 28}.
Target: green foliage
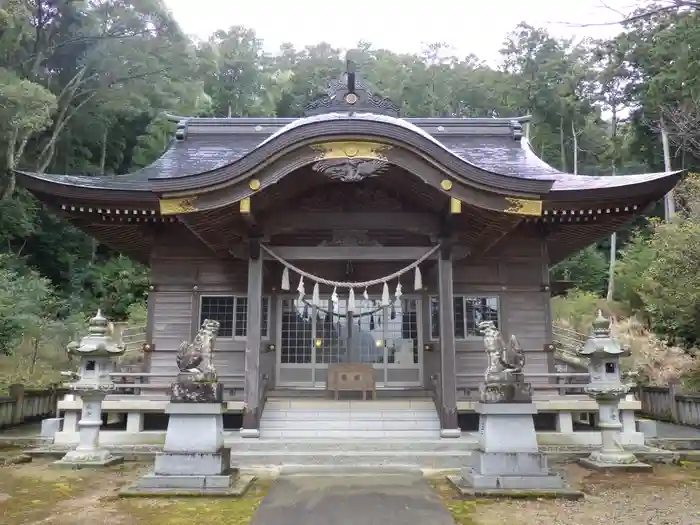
{"x": 27, "y": 304}
{"x": 659, "y": 274}
{"x": 115, "y": 286}
{"x": 577, "y": 309}
{"x": 587, "y": 270}
{"x": 85, "y": 87}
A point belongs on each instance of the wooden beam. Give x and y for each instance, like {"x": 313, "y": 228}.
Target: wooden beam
{"x": 350, "y": 253}
{"x": 498, "y": 238}
{"x": 247, "y": 215}
{"x": 448, "y": 357}
{"x": 201, "y": 238}
{"x": 251, "y": 391}
{"x": 423, "y": 223}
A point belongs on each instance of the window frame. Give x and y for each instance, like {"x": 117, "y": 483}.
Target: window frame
{"x": 264, "y": 316}
{"x": 463, "y": 297}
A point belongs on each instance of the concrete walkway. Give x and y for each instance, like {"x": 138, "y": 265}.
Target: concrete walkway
{"x": 351, "y": 499}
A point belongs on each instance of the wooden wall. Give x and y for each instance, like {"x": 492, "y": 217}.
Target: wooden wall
{"x": 516, "y": 274}
{"x": 183, "y": 270}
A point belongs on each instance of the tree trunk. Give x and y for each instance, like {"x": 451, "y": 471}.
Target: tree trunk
{"x": 611, "y": 271}
{"x": 575, "y": 137}
{"x": 669, "y": 198}
{"x": 561, "y": 143}
{"x": 35, "y": 354}
{"x": 613, "y": 237}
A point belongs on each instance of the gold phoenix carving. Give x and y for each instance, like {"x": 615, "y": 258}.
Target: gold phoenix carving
{"x": 523, "y": 207}
{"x": 175, "y": 206}
{"x": 349, "y": 161}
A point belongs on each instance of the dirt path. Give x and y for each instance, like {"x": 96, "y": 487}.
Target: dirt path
{"x": 668, "y": 496}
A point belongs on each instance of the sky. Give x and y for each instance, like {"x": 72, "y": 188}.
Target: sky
{"x": 475, "y": 26}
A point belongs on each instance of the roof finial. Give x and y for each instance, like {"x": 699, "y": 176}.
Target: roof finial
{"x": 350, "y": 70}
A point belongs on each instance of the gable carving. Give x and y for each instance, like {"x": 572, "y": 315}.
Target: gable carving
{"x": 348, "y": 198}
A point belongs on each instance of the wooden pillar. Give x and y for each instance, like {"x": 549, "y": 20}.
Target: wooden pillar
{"x": 449, "y": 426}
{"x": 251, "y": 392}
{"x": 546, "y": 288}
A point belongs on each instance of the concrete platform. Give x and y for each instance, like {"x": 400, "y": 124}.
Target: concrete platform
{"x": 152, "y": 487}
{"x": 615, "y": 467}
{"x": 68, "y": 464}
{"x": 470, "y": 492}
{"x": 361, "y": 499}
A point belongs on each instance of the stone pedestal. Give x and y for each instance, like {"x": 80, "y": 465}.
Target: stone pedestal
{"x": 88, "y": 452}
{"x": 508, "y": 462}
{"x": 612, "y": 456}
{"x": 194, "y": 460}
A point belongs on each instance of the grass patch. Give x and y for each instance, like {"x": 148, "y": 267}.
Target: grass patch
{"x": 462, "y": 510}
{"x": 38, "y": 493}
{"x": 34, "y": 491}
{"x": 196, "y": 511}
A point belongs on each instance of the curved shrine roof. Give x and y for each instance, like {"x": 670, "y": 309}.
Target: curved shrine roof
{"x": 204, "y": 145}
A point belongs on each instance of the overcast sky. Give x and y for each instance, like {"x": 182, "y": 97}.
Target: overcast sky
{"x": 476, "y": 26}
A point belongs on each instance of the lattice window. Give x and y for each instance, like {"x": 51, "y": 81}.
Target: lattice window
{"x": 331, "y": 333}
{"x": 469, "y": 311}
{"x": 402, "y": 332}
{"x": 297, "y": 333}
{"x": 232, "y": 314}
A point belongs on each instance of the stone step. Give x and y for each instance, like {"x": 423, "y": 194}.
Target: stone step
{"x": 347, "y": 433}
{"x": 347, "y": 424}
{"x": 348, "y": 415}
{"x": 411, "y": 393}
{"x": 367, "y": 459}
{"x": 353, "y": 404}
{"x": 352, "y": 445}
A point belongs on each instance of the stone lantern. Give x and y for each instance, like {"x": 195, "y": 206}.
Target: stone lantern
{"x": 97, "y": 352}
{"x": 606, "y": 387}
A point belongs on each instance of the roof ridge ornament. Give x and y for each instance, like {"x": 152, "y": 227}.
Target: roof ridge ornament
{"x": 351, "y": 94}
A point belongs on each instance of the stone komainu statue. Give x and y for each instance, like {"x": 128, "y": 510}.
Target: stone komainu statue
{"x": 503, "y": 360}
{"x": 503, "y": 379}
{"x": 196, "y": 357}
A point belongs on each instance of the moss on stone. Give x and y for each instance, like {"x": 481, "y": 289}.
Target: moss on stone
{"x": 39, "y": 493}
{"x": 199, "y": 511}
{"x": 462, "y": 510}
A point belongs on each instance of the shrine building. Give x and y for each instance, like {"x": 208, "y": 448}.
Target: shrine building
{"x": 349, "y": 236}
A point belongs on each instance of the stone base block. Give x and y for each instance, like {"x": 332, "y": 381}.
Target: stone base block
{"x": 549, "y": 481}
{"x": 152, "y": 485}
{"x": 194, "y": 427}
{"x": 50, "y": 426}
{"x": 637, "y": 466}
{"x": 196, "y": 392}
{"x": 507, "y": 427}
{"x": 512, "y": 391}
{"x": 193, "y": 463}
{"x": 450, "y": 432}
{"x": 512, "y": 471}
{"x": 471, "y": 492}
{"x": 504, "y": 464}
{"x": 250, "y": 432}
{"x": 80, "y": 459}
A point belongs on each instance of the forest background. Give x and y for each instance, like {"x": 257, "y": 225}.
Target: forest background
{"x": 85, "y": 86}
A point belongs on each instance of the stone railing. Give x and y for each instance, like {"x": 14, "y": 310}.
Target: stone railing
{"x": 670, "y": 404}
{"x": 24, "y": 405}
{"x": 560, "y": 384}
{"x": 144, "y": 383}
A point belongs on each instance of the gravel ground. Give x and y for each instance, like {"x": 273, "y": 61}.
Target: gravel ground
{"x": 668, "y": 496}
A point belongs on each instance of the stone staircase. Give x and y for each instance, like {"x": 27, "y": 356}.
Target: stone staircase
{"x": 318, "y": 433}
{"x": 356, "y": 419}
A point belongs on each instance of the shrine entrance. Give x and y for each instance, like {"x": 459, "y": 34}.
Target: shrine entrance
{"x": 312, "y": 337}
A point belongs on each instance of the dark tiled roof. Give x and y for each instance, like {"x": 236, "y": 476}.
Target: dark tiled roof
{"x": 493, "y": 145}
{"x": 500, "y": 155}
